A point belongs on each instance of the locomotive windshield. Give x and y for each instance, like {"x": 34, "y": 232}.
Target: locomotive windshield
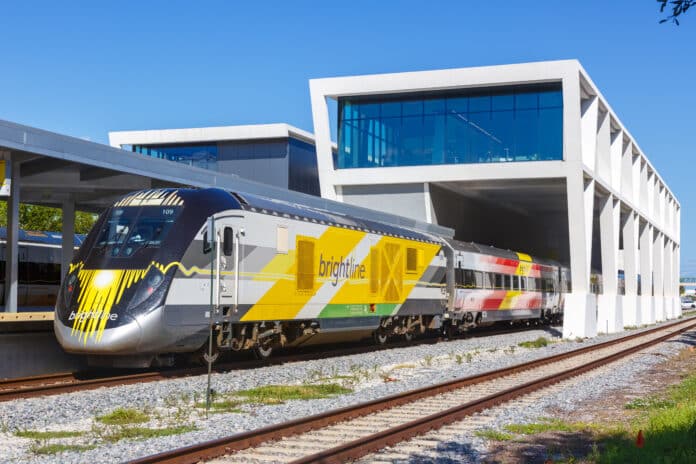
{"x": 130, "y": 229}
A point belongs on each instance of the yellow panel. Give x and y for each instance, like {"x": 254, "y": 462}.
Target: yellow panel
{"x": 356, "y": 291}
{"x": 509, "y": 300}
{"x": 283, "y": 301}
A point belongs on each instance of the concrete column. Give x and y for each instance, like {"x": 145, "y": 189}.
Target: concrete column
{"x": 658, "y": 275}
{"x": 677, "y": 275}
{"x": 11, "y": 247}
{"x": 667, "y": 280}
{"x": 647, "y": 309}
{"x": 580, "y": 312}
{"x": 589, "y": 108}
{"x": 630, "y": 304}
{"x": 609, "y": 314}
{"x": 68, "y": 245}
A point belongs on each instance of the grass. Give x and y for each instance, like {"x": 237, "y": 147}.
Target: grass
{"x": 667, "y": 422}
{"x": 143, "y": 433}
{"x": 494, "y": 435}
{"x": 36, "y": 435}
{"x": 124, "y": 416}
{"x": 276, "y": 394}
{"x": 58, "y": 448}
{"x": 538, "y": 343}
{"x": 222, "y": 406}
{"x": 546, "y": 425}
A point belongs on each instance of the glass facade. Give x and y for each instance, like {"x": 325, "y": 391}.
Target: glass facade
{"x": 201, "y": 156}
{"x": 498, "y": 125}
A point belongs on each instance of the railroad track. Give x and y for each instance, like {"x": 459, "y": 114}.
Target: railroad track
{"x": 352, "y": 432}
{"x": 67, "y": 382}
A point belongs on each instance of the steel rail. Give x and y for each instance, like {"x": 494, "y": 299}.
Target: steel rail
{"x": 377, "y": 441}
{"x": 226, "y": 445}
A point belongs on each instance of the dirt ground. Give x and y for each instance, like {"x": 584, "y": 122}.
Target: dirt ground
{"x": 609, "y": 409}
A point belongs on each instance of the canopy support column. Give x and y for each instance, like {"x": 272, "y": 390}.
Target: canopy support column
{"x": 68, "y": 245}
{"x": 12, "y": 247}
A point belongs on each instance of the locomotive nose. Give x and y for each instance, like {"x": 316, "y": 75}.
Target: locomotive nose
{"x": 122, "y": 339}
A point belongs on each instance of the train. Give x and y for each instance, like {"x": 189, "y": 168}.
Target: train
{"x": 38, "y": 268}
{"x": 152, "y": 276}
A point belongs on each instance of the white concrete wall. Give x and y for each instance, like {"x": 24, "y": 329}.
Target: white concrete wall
{"x": 600, "y": 156}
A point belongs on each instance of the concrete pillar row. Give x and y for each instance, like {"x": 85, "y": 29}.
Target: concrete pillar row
{"x": 580, "y": 311}
{"x": 647, "y": 307}
{"x": 609, "y": 303}
{"x": 630, "y": 303}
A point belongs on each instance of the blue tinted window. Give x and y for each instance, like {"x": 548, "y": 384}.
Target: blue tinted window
{"x": 391, "y": 109}
{"x": 201, "y": 156}
{"x": 434, "y": 106}
{"x": 551, "y": 99}
{"x": 504, "y": 126}
{"x": 458, "y": 105}
{"x": 479, "y": 104}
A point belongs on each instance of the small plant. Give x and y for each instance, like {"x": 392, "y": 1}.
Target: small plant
{"x": 277, "y": 394}
{"x": 143, "y": 433}
{"x": 546, "y": 425}
{"x": 43, "y": 449}
{"x": 538, "y": 343}
{"x": 509, "y": 350}
{"x": 469, "y": 357}
{"x": 459, "y": 358}
{"x": 124, "y": 416}
{"x": 630, "y": 327}
{"x": 494, "y": 435}
{"x": 223, "y": 406}
{"x": 650, "y": 403}
{"x": 46, "y": 435}
{"x": 427, "y": 361}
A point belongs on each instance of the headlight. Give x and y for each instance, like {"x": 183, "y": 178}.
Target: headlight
{"x": 69, "y": 289}
{"x": 147, "y": 287}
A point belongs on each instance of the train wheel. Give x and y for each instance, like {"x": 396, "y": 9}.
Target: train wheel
{"x": 380, "y": 336}
{"x": 263, "y": 352}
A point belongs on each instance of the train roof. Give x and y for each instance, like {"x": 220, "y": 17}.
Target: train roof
{"x": 43, "y": 237}
{"x": 472, "y": 247}
{"x": 264, "y": 205}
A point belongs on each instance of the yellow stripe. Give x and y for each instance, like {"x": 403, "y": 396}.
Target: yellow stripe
{"x": 509, "y": 300}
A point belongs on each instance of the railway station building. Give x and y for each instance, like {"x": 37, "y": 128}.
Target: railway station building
{"x": 275, "y": 154}
{"x": 529, "y": 157}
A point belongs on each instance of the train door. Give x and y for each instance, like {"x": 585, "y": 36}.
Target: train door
{"x": 226, "y": 268}
{"x": 226, "y": 277}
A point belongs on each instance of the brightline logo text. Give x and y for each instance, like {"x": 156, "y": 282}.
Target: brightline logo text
{"x": 341, "y": 269}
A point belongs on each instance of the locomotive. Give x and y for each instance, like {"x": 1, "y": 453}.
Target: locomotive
{"x": 151, "y": 274}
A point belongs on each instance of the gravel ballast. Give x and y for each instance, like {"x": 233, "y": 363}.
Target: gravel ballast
{"x": 381, "y": 373}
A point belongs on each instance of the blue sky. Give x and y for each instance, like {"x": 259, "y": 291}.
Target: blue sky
{"x": 85, "y": 68}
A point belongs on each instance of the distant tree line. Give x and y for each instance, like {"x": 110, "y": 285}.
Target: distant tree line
{"x": 677, "y": 7}
{"x": 34, "y": 217}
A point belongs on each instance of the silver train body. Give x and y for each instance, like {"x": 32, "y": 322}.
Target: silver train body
{"x": 144, "y": 286}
